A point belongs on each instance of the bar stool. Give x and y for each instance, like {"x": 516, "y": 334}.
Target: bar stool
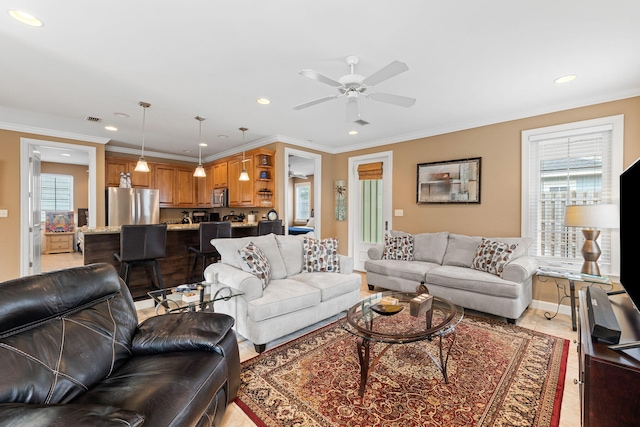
{"x": 208, "y": 230}
{"x": 142, "y": 245}
{"x": 266, "y": 227}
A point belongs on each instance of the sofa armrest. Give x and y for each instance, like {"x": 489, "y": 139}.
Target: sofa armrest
{"x": 181, "y": 332}
{"x": 375, "y": 252}
{"x": 236, "y": 278}
{"x": 520, "y": 269}
{"x": 68, "y": 414}
{"x": 346, "y": 264}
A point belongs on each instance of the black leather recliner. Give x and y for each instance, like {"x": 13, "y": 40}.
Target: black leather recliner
{"x": 72, "y": 354}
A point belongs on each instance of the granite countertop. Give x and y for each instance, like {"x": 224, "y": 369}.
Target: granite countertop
{"x": 170, "y": 227}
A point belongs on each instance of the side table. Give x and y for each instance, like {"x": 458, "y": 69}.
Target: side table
{"x": 558, "y": 277}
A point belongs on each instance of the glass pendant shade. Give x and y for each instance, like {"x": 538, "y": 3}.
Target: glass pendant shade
{"x": 244, "y": 176}
{"x": 199, "y": 172}
{"x": 142, "y": 165}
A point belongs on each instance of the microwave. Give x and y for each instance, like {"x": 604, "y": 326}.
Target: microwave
{"x": 220, "y": 198}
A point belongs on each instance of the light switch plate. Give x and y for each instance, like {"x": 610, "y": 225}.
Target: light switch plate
{"x": 4, "y": 213}
{"x": 399, "y": 212}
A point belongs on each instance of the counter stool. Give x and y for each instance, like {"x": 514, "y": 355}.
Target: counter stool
{"x": 208, "y": 230}
{"x": 266, "y": 227}
{"x": 142, "y": 245}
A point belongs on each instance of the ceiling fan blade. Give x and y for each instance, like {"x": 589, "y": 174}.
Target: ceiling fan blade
{"x": 402, "y": 101}
{"x": 391, "y": 70}
{"x": 352, "y": 110}
{"x": 321, "y": 78}
{"x": 317, "y": 101}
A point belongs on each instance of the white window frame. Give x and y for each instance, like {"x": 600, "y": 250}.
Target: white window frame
{"x": 297, "y": 217}
{"x": 617, "y": 144}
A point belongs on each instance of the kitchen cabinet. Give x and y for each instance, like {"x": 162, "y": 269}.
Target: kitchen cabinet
{"x": 240, "y": 192}
{"x": 220, "y": 176}
{"x": 264, "y": 183}
{"x": 164, "y": 180}
{"x": 204, "y": 186}
{"x": 185, "y": 187}
{"x": 113, "y": 167}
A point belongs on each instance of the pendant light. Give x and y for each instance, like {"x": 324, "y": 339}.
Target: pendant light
{"x": 244, "y": 176}
{"x": 142, "y": 165}
{"x": 199, "y": 172}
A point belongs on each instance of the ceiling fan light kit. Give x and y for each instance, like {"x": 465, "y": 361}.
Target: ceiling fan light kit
{"x": 353, "y": 85}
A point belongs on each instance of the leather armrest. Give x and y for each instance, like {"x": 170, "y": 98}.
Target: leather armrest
{"x": 65, "y": 415}
{"x": 181, "y": 332}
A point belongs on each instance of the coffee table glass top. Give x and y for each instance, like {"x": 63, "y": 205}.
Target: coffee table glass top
{"x": 374, "y": 320}
{"x": 190, "y": 297}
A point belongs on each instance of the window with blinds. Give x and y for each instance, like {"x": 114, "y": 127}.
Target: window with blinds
{"x": 303, "y": 201}
{"x": 56, "y": 193}
{"x": 571, "y": 166}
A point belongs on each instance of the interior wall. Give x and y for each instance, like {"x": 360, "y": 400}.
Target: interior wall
{"x": 10, "y": 195}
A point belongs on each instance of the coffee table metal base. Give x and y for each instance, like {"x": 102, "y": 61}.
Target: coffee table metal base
{"x": 367, "y": 365}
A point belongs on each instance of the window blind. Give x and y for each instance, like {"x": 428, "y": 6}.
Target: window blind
{"x": 370, "y": 171}
{"x": 56, "y": 193}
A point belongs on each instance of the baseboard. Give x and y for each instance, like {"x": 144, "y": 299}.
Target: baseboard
{"x": 551, "y": 307}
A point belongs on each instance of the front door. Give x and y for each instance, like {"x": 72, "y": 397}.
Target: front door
{"x": 370, "y": 203}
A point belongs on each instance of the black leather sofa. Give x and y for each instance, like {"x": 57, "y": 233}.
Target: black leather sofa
{"x": 72, "y": 354}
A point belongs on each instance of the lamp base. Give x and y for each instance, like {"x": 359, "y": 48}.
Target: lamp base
{"x": 591, "y": 252}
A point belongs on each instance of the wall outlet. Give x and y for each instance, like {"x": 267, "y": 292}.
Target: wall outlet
{"x": 399, "y": 212}
{"x": 4, "y": 213}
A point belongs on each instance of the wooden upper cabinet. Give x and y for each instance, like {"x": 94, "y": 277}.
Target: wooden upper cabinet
{"x": 113, "y": 167}
{"x": 164, "y": 180}
{"x": 240, "y": 192}
{"x": 204, "y": 187}
{"x": 185, "y": 190}
{"x": 220, "y": 175}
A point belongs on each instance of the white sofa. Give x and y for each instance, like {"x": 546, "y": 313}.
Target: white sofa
{"x": 443, "y": 262}
{"x": 292, "y": 299}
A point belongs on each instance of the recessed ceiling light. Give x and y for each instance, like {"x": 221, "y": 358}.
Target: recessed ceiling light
{"x": 223, "y": 136}
{"x": 66, "y": 154}
{"x": 186, "y": 151}
{"x": 203, "y": 144}
{"x": 25, "y": 18}
{"x": 123, "y": 115}
{"x": 263, "y": 101}
{"x": 353, "y": 132}
{"x": 111, "y": 128}
{"x": 565, "y": 79}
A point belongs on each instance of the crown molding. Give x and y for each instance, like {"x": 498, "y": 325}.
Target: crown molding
{"x": 157, "y": 154}
{"x": 54, "y": 133}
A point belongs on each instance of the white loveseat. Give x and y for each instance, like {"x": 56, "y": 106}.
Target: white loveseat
{"x": 443, "y": 262}
{"x": 292, "y": 300}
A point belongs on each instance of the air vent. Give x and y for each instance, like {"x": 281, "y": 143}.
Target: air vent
{"x": 93, "y": 119}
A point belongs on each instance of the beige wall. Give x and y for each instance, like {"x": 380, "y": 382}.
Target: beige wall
{"x": 10, "y": 195}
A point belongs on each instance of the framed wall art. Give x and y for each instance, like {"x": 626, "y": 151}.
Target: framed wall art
{"x": 452, "y": 181}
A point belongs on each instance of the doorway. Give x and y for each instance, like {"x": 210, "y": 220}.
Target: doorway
{"x": 370, "y": 205}
{"x": 314, "y": 162}
{"x": 30, "y": 243}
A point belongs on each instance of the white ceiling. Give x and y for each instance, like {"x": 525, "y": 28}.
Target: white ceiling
{"x": 470, "y": 63}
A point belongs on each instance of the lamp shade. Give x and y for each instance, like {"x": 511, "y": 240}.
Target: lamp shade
{"x": 592, "y": 216}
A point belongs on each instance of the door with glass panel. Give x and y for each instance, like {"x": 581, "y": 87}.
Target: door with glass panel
{"x": 370, "y": 201}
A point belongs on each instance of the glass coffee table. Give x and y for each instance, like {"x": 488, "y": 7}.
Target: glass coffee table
{"x": 191, "y": 297}
{"x": 373, "y": 320}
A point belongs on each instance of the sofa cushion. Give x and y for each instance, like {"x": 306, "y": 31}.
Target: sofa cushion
{"x": 256, "y": 263}
{"x": 461, "y": 250}
{"x": 523, "y": 244}
{"x": 283, "y": 296}
{"x": 430, "y": 247}
{"x": 330, "y": 285}
{"x": 492, "y": 256}
{"x": 291, "y": 251}
{"x": 472, "y": 280}
{"x": 414, "y": 271}
{"x": 320, "y": 255}
{"x": 228, "y": 250}
{"x": 398, "y": 247}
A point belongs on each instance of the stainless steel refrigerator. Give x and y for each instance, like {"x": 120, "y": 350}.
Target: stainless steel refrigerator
{"x": 132, "y": 206}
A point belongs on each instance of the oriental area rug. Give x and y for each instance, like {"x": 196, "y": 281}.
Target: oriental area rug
{"x": 499, "y": 375}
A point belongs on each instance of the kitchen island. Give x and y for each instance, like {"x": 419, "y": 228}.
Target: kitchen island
{"x": 99, "y": 245}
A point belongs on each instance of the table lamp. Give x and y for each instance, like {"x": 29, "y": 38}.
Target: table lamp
{"x": 591, "y": 218}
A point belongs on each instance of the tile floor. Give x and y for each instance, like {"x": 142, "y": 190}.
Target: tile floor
{"x": 531, "y": 319}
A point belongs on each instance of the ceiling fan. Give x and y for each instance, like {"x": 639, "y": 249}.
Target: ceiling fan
{"x": 353, "y": 85}
{"x": 296, "y": 175}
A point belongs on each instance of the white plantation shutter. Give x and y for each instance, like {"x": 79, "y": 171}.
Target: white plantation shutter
{"x": 56, "y": 193}
{"x": 575, "y": 165}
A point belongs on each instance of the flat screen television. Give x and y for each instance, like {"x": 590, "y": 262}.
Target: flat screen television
{"x": 630, "y": 232}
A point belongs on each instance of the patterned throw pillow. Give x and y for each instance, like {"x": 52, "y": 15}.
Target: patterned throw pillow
{"x": 255, "y": 262}
{"x": 492, "y": 256}
{"x": 320, "y": 255}
{"x": 398, "y": 247}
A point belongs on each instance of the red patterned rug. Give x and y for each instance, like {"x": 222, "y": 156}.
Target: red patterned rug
{"x": 499, "y": 375}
